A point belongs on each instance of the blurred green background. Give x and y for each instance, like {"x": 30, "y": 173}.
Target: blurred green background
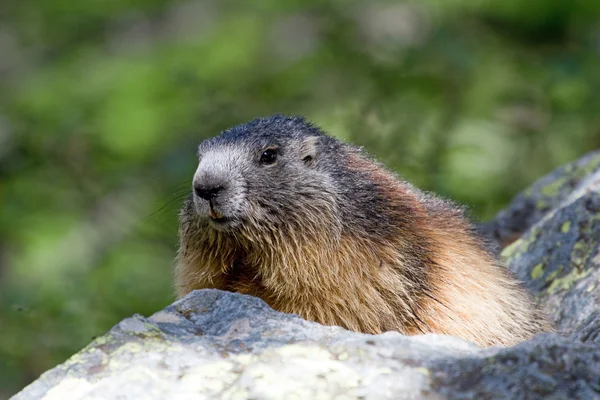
{"x": 102, "y": 103}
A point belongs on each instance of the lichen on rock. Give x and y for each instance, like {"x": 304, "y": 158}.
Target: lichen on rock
{"x": 558, "y": 258}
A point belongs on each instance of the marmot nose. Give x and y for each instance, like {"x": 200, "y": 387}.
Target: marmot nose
{"x": 207, "y": 192}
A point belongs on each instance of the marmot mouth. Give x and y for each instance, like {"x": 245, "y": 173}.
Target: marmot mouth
{"x": 214, "y": 214}
{"x": 221, "y": 220}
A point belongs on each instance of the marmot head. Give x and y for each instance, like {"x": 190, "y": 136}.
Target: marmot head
{"x": 264, "y": 174}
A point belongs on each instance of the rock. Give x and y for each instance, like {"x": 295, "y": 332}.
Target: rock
{"x": 545, "y": 195}
{"x": 215, "y": 344}
{"x": 559, "y": 260}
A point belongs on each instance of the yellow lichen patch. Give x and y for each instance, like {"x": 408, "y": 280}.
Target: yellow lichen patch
{"x": 100, "y": 342}
{"x": 590, "y": 167}
{"x": 521, "y": 245}
{"x": 537, "y": 271}
{"x": 82, "y": 357}
{"x": 553, "y": 274}
{"x": 580, "y": 253}
{"x": 567, "y": 281}
{"x": 554, "y": 187}
{"x": 565, "y": 227}
{"x": 120, "y": 358}
{"x": 513, "y": 250}
{"x": 591, "y": 287}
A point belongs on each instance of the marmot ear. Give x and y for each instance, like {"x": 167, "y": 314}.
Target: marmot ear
{"x": 308, "y": 150}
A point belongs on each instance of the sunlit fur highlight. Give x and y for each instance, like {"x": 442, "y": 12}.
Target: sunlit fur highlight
{"x": 432, "y": 275}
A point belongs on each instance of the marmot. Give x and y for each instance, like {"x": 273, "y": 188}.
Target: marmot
{"x": 316, "y": 227}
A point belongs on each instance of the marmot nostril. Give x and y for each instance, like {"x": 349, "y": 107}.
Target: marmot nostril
{"x": 207, "y": 192}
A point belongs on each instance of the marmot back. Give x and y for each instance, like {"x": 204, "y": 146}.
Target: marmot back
{"x": 315, "y": 227}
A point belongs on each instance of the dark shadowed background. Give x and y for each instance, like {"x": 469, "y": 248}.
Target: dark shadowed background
{"x": 102, "y": 103}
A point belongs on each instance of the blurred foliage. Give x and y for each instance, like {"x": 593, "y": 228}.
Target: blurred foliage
{"x": 102, "y": 103}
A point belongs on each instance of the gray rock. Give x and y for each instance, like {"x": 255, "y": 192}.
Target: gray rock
{"x": 559, "y": 260}
{"x": 545, "y": 195}
{"x": 215, "y": 344}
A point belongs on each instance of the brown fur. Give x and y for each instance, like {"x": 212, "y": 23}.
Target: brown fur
{"x": 431, "y": 276}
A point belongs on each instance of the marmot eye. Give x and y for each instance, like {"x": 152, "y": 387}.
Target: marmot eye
{"x": 268, "y": 156}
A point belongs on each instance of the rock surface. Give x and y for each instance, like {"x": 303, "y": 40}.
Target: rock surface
{"x": 545, "y": 195}
{"x": 557, "y": 254}
{"x": 215, "y": 344}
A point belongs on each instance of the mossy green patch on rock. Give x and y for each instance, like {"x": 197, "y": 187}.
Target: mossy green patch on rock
{"x": 554, "y": 187}
{"x": 580, "y": 254}
{"x": 589, "y": 167}
{"x": 546, "y": 195}
{"x": 567, "y": 281}
{"x": 510, "y": 251}
{"x": 562, "y": 180}
{"x": 520, "y": 246}
{"x": 537, "y": 271}
{"x": 591, "y": 287}
{"x": 553, "y": 274}
{"x": 554, "y": 256}
{"x": 541, "y": 204}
